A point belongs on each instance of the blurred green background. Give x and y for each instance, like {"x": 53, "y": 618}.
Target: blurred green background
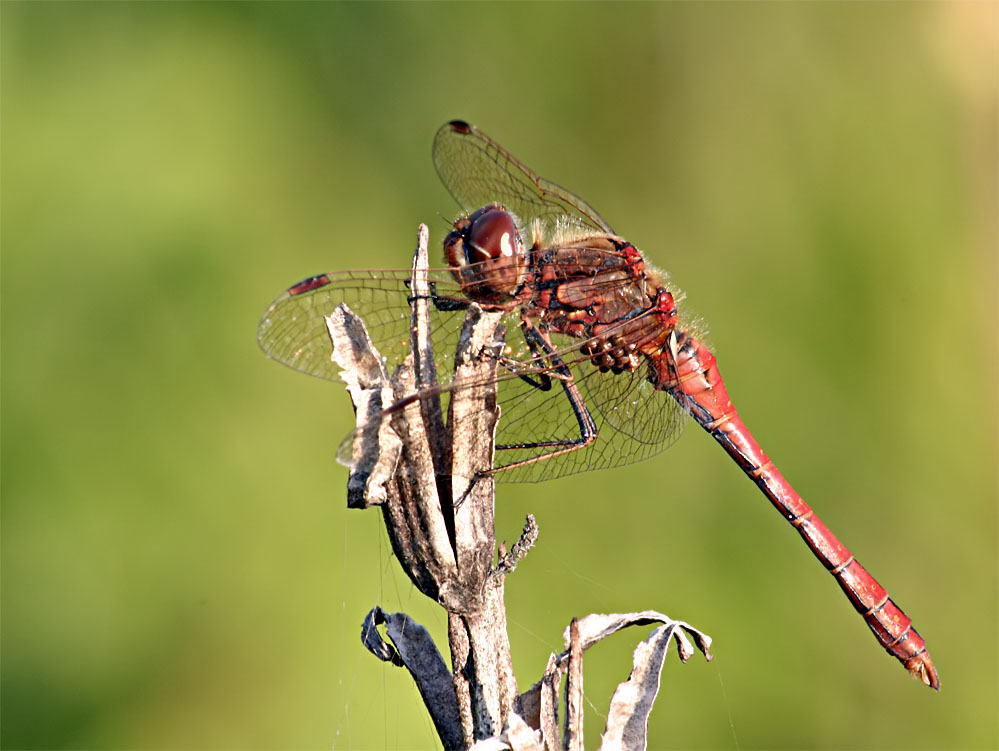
{"x": 179, "y": 569}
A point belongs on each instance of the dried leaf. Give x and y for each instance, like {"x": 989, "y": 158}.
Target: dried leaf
{"x": 517, "y": 736}
{"x": 372, "y": 451}
{"x": 372, "y": 640}
{"x": 521, "y": 736}
{"x": 598, "y": 626}
{"x": 415, "y": 649}
{"x": 628, "y": 716}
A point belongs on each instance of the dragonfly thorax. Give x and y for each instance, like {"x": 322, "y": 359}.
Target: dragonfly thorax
{"x": 487, "y": 256}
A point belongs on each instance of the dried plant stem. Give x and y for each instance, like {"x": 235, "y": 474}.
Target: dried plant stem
{"x": 425, "y": 474}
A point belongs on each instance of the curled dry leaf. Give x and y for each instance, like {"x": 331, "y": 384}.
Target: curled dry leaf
{"x": 598, "y": 626}
{"x": 373, "y": 641}
{"x": 374, "y": 450}
{"x": 627, "y": 722}
{"x": 627, "y": 725}
{"x": 415, "y": 650}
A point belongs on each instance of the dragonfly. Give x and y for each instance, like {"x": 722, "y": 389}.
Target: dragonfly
{"x": 600, "y": 367}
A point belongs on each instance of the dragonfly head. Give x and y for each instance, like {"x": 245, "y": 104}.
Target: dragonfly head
{"x": 486, "y": 255}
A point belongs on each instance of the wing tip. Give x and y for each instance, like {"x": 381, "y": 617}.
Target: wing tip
{"x": 459, "y": 126}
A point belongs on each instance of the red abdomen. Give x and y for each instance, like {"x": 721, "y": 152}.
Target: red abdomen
{"x": 692, "y": 378}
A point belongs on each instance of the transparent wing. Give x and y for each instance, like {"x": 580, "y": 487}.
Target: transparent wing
{"x": 634, "y": 421}
{"x": 477, "y": 171}
{"x": 293, "y": 332}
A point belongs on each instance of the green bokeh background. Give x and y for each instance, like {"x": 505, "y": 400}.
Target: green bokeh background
{"x": 179, "y": 569}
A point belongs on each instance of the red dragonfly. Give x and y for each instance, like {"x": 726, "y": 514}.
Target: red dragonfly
{"x": 600, "y": 348}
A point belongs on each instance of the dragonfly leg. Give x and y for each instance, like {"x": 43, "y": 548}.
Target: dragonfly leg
{"x": 537, "y": 344}
{"x": 543, "y": 382}
{"x": 542, "y": 349}
{"x": 442, "y": 303}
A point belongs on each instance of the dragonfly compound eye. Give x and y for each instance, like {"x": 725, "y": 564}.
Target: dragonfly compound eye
{"x": 492, "y": 235}
{"x": 487, "y": 255}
